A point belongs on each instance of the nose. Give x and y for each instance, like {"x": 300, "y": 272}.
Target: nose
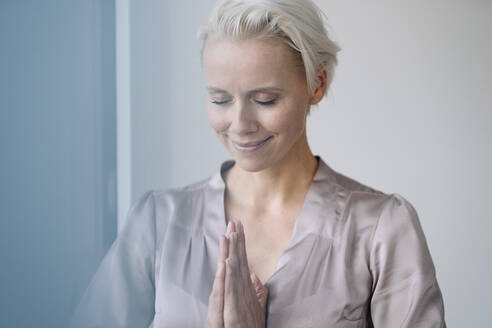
{"x": 244, "y": 120}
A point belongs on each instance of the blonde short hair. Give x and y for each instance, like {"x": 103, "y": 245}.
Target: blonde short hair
{"x": 298, "y": 23}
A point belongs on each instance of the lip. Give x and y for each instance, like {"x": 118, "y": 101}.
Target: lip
{"x": 250, "y": 146}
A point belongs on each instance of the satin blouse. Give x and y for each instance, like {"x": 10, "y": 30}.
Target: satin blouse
{"x": 357, "y": 258}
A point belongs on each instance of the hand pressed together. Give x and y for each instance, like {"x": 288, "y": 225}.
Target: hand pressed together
{"x": 238, "y": 297}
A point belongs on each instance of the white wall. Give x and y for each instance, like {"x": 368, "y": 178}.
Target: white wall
{"x": 171, "y": 142}
{"x": 409, "y": 112}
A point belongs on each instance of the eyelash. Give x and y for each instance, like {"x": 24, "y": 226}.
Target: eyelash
{"x": 219, "y": 102}
{"x": 264, "y": 103}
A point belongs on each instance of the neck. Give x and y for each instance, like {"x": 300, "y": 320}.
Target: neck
{"x": 280, "y": 186}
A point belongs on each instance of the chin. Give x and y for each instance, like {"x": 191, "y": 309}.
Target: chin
{"x": 252, "y": 164}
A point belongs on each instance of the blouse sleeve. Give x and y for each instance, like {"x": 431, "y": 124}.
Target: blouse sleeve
{"x": 405, "y": 289}
{"x": 121, "y": 293}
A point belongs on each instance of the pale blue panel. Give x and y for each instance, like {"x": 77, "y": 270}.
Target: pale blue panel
{"x": 57, "y": 154}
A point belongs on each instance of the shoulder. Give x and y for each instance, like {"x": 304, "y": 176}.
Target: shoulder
{"x": 358, "y": 197}
{"x": 387, "y": 222}
{"x": 173, "y": 205}
{"x": 389, "y": 219}
{"x": 351, "y": 185}
{"x": 178, "y": 197}
{"x": 363, "y": 203}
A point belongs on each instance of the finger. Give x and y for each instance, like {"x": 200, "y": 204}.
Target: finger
{"x": 241, "y": 250}
{"x": 223, "y": 248}
{"x": 215, "y": 315}
{"x": 230, "y": 293}
{"x": 242, "y": 282}
{"x": 220, "y": 282}
{"x": 232, "y": 270}
{"x": 261, "y": 290}
{"x": 229, "y": 227}
{"x": 232, "y": 246}
{"x": 229, "y": 289}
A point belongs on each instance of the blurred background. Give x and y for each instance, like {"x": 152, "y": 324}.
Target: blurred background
{"x": 102, "y": 100}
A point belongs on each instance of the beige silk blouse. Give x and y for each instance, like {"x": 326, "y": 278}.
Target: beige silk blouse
{"x": 357, "y": 258}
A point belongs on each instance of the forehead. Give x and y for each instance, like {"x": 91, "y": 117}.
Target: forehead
{"x": 249, "y": 62}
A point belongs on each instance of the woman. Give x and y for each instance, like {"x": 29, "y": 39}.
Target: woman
{"x": 304, "y": 245}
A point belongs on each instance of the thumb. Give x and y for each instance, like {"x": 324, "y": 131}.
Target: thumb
{"x": 261, "y": 290}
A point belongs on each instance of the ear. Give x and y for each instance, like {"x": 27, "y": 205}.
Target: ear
{"x": 320, "y": 90}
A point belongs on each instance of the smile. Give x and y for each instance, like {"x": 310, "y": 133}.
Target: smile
{"x": 251, "y": 148}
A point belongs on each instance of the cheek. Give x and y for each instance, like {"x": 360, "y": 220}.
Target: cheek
{"x": 291, "y": 122}
{"x": 216, "y": 119}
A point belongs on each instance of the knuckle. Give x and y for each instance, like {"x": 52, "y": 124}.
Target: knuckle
{"x": 231, "y": 264}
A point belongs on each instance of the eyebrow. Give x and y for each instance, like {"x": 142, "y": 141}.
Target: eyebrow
{"x": 264, "y": 89}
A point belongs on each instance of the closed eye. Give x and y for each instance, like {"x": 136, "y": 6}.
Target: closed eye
{"x": 220, "y": 102}
{"x": 263, "y": 103}
{"x": 266, "y": 103}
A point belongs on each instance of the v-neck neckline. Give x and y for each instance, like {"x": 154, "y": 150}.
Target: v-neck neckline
{"x": 283, "y": 259}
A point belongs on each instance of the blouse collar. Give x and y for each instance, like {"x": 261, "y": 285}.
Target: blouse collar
{"x": 323, "y": 172}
